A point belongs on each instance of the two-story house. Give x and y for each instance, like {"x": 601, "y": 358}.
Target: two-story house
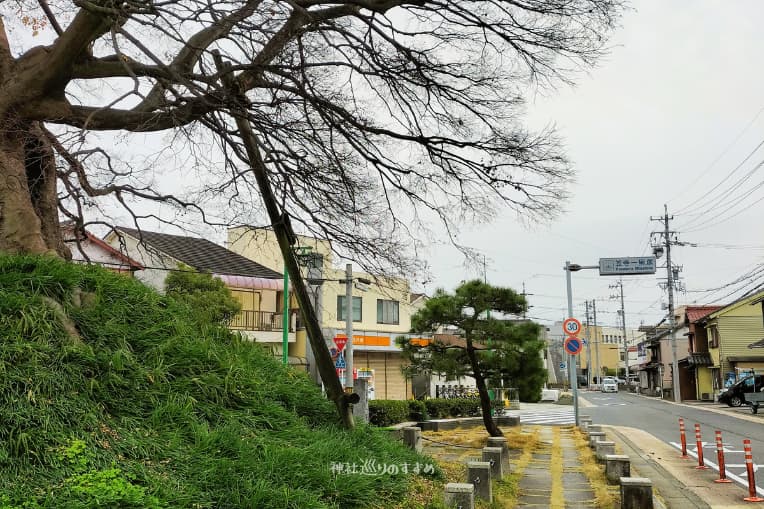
{"x": 381, "y": 310}
{"x": 698, "y": 361}
{"x": 730, "y": 331}
{"x": 259, "y": 289}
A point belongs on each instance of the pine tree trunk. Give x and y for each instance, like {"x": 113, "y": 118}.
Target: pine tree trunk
{"x": 28, "y": 199}
{"x": 485, "y": 401}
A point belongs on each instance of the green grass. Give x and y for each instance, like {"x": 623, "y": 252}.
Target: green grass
{"x": 144, "y": 407}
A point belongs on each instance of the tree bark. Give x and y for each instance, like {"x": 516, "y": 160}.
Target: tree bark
{"x": 485, "y": 401}
{"x": 28, "y": 198}
{"x": 282, "y": 229}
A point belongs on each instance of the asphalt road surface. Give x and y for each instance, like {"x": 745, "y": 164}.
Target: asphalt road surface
{"x": 661, "y": 419}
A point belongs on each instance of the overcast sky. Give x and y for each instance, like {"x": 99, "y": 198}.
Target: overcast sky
{"x": 671, "y": 113}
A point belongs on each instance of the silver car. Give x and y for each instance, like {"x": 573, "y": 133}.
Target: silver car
{"x": 609, "y": 385}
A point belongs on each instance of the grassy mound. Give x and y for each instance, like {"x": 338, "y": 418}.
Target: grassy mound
{"x": 111, "y": 395}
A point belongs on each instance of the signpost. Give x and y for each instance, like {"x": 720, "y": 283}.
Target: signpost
{"x": 573, "y": 345}
{"x": 340, "y": 342}
{"x": 571, "y": 326}
{"x": 562, "y": 365}
{"x": 627, "y": 265}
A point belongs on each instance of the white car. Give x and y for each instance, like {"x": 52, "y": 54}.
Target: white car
{"x": 609, "y": 385}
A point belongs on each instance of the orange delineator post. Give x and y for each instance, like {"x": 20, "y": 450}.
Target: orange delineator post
{"x": 752, "y": 497}
{"x": 683, "y": 438}
{"x": 699, "y": 442}
{"x": 720, "y": 458}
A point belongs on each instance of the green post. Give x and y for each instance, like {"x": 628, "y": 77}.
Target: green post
{"x": 285, "y": 325}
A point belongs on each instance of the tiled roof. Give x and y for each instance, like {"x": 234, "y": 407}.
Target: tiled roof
{"x": 700, "y": 359}
{"x": 695, "y": 313}
{"x": 202, "y": 254}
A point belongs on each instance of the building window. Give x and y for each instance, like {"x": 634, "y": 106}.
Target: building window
{"x": 357, "y": 307}
{"x": 714, "y": 343}
{"x": 387, "y": 311}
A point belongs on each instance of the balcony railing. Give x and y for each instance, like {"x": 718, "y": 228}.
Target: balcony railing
{"x": 258, "y": 320}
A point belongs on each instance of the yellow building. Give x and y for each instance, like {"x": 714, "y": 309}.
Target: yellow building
{"x": 605, "y": 345}
{"x": 381, "y": 310}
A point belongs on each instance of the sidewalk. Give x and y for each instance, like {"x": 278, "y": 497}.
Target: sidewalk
{"x": 675, "y": 480}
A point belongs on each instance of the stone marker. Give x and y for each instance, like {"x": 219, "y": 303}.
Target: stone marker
{"x": 479, "y": 474}
{"x": 594, "y": 437}
{"x": 501, "y": 442}
{"x": 493, "y": 455}
{"x": 460, "y": 495}
{"x": 412, "y": 437}
{"x": 594, "y": 427}
{"x": 636, "y": 493}
{"x": 602, "y": 449}
{"x": 617, "y": 466}
{"x": 585, "y": 423}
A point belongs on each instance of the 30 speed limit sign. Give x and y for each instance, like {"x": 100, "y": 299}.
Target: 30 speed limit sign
{"x": 571, "y": 326}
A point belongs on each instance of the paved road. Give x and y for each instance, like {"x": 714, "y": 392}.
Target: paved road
{"x": 661, "y": 419}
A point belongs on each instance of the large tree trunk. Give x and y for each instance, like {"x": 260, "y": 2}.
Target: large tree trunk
{"x": 28, "y": 199}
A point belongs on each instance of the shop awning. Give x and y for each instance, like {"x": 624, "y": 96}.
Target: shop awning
{"x": 249, "y": 282}
{"x": 700, "y": 359}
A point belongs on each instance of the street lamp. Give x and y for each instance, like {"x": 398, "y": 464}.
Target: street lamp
{"x": 572, "y": 371}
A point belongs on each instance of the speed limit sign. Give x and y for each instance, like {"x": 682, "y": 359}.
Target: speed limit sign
{"x": 571, "y": 326}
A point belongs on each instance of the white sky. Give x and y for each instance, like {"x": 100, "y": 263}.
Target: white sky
{"x": 659, "y": 121}
{"x": 671, "y": 112}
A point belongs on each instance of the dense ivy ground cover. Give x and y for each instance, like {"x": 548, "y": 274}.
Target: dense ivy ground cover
{"x": 112, "y": 396}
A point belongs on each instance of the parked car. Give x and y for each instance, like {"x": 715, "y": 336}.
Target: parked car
{"x": 609, "y": 385}
{"x": 734, "y": 395}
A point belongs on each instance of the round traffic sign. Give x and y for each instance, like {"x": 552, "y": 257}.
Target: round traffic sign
{"x": 573, "y": 345}
{"x": 571, "y": 326}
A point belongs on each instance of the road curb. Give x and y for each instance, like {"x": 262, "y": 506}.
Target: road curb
{"x": 672, "y": 493}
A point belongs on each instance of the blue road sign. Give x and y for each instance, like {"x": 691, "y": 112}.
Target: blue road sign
{"x": 573, "y": 345}
{"x": 340, "y": 362}
{"x": 563, "y": 365}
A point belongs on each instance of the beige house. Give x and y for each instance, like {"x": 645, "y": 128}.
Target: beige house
{"x": 381, "y": 310}
{"x": 258, "y": 288}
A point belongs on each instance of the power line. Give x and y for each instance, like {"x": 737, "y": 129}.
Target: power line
{"x": 726, "y": 149}
{"x": 688, "y": 210}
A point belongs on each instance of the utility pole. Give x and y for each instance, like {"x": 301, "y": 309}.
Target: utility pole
{"x": 596, "y": 343}
{"x": 349, "y": 327}
{"x": 525, "y": 295}
{"x": 588, "y": 349}
{"x": 619, "y": 285}
{"x": 571, "y": 358}
{"x": 666, "y": 234}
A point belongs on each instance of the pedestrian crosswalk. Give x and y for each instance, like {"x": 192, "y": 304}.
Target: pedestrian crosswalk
{"x": 547, "y": 417}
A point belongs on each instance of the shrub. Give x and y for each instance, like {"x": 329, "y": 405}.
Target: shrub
{"x": 384, "y": 412}
{"x": 417, "y": 410}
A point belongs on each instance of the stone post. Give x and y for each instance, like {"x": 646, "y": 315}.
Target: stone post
{"x": 361, "y": 409}
{"x": 460, "y": 495}
{"x": 493, "y": 455}
{"x": 636, "y": 493}
{"x": 412, "y": 437}
{"x": 602, "y": 449}
{"x": 501, "y": 442}
{"x": 479, "y": 474}
{"x": 617, "y": 466}
{"x": 594, "y": 437}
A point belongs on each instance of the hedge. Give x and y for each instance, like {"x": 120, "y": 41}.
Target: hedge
{"x": 386, "y": 412}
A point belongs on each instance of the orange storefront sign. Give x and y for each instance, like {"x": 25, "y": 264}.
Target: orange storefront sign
{"x": 363, "y": 340}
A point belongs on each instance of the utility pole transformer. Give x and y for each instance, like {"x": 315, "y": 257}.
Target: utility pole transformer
{"x": 619, "y": 285}
{"x": 666, "y": 233}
